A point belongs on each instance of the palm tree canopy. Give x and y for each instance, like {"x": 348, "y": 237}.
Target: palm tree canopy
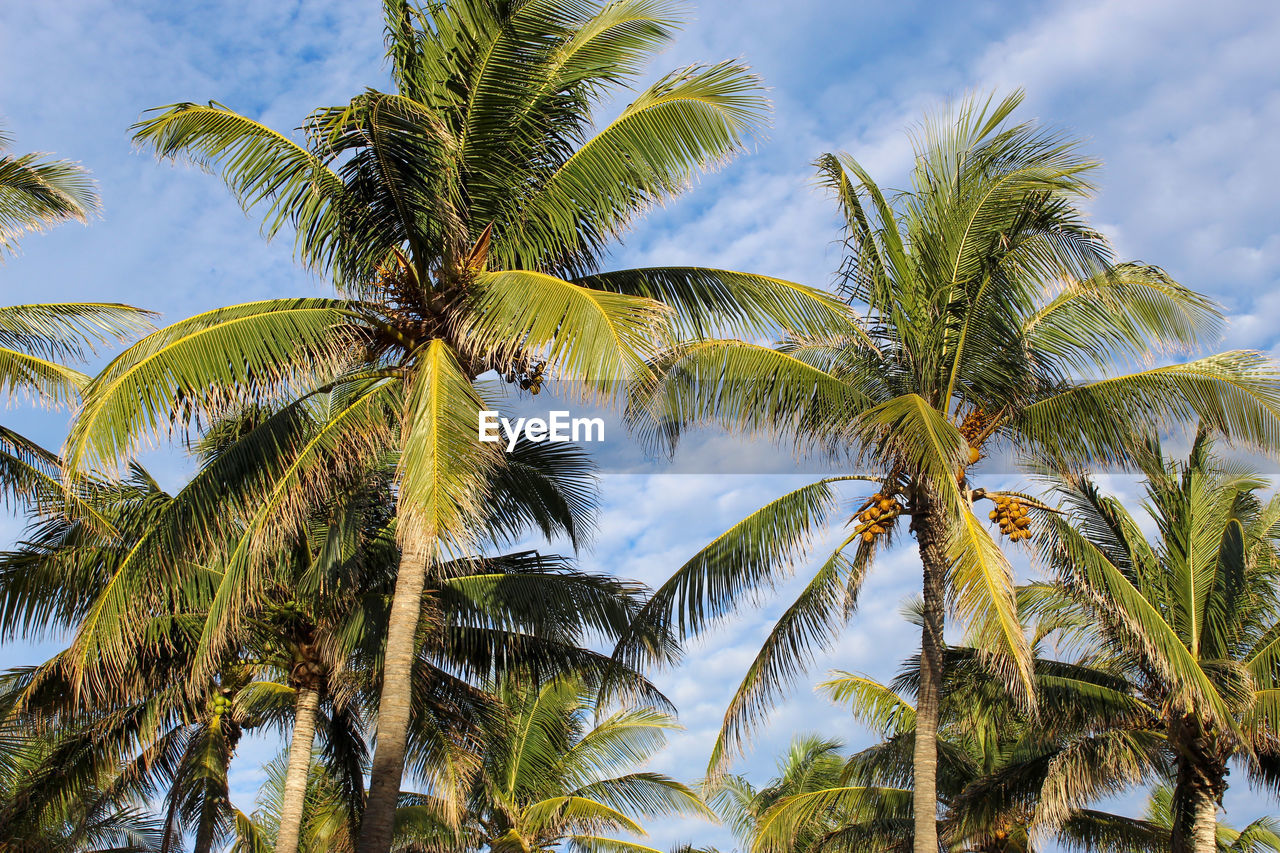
{"x": 463, "y": 218}
{"x": 1187, "y": 616}
{"x": 987, "y": 307}
{"x": 556, "y": 767}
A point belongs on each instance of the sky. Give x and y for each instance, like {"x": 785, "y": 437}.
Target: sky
{"x": 1180, "y": 100}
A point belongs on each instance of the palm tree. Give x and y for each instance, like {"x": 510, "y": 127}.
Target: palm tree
{"x": 812, "y": 763}
{"x": 328, "y": 827}
{"x": 1187, "y": 619}
{"x": 1000, "y": 771}
{"x": 544, "y": 779}
{"x": 37, "y": 817}
{"x": 464, "y": 217}
{"x": 985, "y": 300}
{"x": 556, "y": 768}
{"x": 35, "y": 340}
{"x": 301, "y": 635}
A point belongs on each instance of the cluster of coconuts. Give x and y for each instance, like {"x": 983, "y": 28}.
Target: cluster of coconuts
{"x": 878, "y": 516}
{"x": 221, "y": 704}
{"x": 972, "y": 428}
{"x": 1011, "y": 514}
{"x": 285, "y": 611}
{"x": 530, "y": 380}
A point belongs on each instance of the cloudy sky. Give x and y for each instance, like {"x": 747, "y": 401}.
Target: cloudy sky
{"x": 1179, "y": 99}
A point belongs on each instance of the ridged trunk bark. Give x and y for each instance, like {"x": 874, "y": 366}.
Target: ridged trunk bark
{"x": 1198, "y": 786}
{"x": 1206, "y": 825}
{"x": 306, "y": 709}
{"x": 1195, "y": 822}
{"x": 931, "y": 538}
{"x": 378, "y": 823}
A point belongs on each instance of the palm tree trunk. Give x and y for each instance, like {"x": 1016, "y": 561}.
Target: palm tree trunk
{"x": 295, "y": 777}
{"x": 1197, "y": 786}
{"x": 933, "y": 557}
{"x": 1206, "y": 825}
{"x": 393, "y": 706}
{"x": 1195, "y": 819}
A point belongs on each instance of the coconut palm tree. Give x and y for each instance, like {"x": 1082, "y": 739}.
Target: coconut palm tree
{"x": 812, "y": 763}
{"x": 556, "y": 768}
{"x": 301, "y": 635}
{"x": 36, "y": 340}
{"x": 987, "y": 303}
{"x": 1186, "y": 617}
{"x": 327, "y": 828}
{"x": 1000, "y": 772}
{"x": 464, "y": 217}
{"x": 94, "y": 820}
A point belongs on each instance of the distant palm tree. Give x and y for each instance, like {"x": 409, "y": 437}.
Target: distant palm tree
{"x": 94, "y": 819}
{"x": 466, "y": 215}
{"x": 813, "y": 763}
{"x": 1186, "y": 618}
{"x": 555, "y": 768}
{"x": 327, "y": 828}
{"x": 35, "y": 340}
{"x": 1000, "y": 770}
{"x": 988, "y": 307}
{"x": 550, "y": 773}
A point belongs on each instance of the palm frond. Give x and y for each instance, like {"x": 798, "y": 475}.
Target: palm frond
{"x": 36, "y": 194}
{"x": 201, "y": 367}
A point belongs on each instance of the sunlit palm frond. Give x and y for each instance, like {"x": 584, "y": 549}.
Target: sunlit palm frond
{"x": 586, "y": 336}
{"x": 686, "y": 122}
{"x": 809, "y": 625}
{"x": 37, "y": 193}
{"x": 258, "y": 164}
{"x": 753, "y": 554}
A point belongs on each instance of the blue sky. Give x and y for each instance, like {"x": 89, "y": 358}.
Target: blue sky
{"x": 1180, "y": 100}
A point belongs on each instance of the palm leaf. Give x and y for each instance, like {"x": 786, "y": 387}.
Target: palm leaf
{"x": 811, "y": 622}
{"x": 200, "y": 366}
{"x": 754, "y": 553}
{"x": 871, "y": 702}
{"x": 727, "y": 303}
{"x": 258, "y": 164}
{"x": 589, "y": 336}
{"x": 443, "y": 472}
{"x": 36, "y": 194}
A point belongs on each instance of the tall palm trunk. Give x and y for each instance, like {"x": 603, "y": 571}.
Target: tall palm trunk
{"x": 930, "y": 536}
{"x": 295, "y": 778}
{"x": 1195, "y": 818}
{"x": 1206, "y": 831}
{"x": 1199, "y": 784}
{"x": 378, "y": 823}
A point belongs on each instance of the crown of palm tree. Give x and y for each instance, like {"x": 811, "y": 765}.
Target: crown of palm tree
{"x": 556, "y": 768}
{"x": 1187, "y": 620}
{"x": 985, "y": 302}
